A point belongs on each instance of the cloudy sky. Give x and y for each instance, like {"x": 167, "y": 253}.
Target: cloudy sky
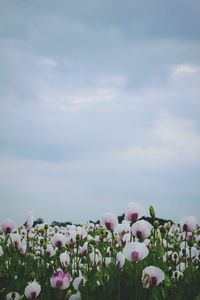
{"x": 99, "y": 106}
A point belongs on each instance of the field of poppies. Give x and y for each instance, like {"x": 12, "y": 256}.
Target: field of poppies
{"x": 133, "y": 259}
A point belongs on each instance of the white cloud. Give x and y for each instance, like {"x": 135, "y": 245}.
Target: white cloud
{"x": 173, "y": 140}
{"x": 72, "y": 98}
{"x": 185, "y": 69}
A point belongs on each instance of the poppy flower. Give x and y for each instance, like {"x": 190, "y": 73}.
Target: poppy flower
{"x": 135, "y": 251}
{"x": 152, "y": 276}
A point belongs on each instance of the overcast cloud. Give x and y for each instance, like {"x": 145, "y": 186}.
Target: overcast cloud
{"x": 99, "y": 106}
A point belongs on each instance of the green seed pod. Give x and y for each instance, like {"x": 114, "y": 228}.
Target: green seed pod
{"x": 156, "y": 224}
{"x": 190, "y": 243}
{"x": 68, "y": 294}
{"x": 41, "y": 230}
{"x": 152, "y": 212}
{"x": 152, "y": 248}
{"x": 33, "y": 275}
{"x": 168, "y": 226}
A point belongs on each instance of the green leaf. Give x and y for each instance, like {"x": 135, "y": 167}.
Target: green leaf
{"x": 167, "y": 281}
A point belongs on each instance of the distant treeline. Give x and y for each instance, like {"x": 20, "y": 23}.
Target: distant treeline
{"x": 120, "y": 219}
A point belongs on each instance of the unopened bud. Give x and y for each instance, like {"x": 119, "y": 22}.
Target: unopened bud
{"x": 68, "y": 294}
{"x": 156, "y": 224}
{"x": 168, "y": 226}
{"x": 33, "y": 274}
{"x": 190, "y": 243}
{"x": 152, "y": 212}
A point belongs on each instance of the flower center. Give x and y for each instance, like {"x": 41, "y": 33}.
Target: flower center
{"x": 33, "y": 295}
{"x": 58, "y": 244}
{"x": 134, "y": 216}
{"x": 139, "y": 234}
{"x": 185, "y": 227}
{"x": 134, "y": 255}
{"x": 108, "y": 225}
{"x": 8, "y": 230}
{"x": 59, "y": 283}
{"x": 154, "y": 280}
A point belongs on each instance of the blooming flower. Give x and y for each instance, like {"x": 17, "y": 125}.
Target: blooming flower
{"x": 32, "y": 290}
{"x": 64, "y": 259}
{"x": 122, "y": 228}
{"x": 152, "y": 276}
{"x": 120, "y": 260}
{"x": 16, "y": 240}
{"x": 50, "y": 251}
{"x": 60, "y": 280}
{"x": 83, "y": 249}
{"x": 176, "y": 276}
{"x": 133, "y": 212}
{"x": 188, "y": 223}
{"x": 29, "y": 221}
{"x": 77, "y": 281}
{"x": 109, "y": 220}
{"x": 141, "y": 229}
{"x": 107, "y": 261}
{"x": 135, "y": 251}
{"x": 76, "y": 296}
{"x": 71, "y": 238}
{"x": 8, "y": 226}
{"x": 58, "y": 240}
{"x": 181, "y": 267}
{"x": 13, "y": 296}
{"x": 95, "y": 257}
{"x": 81, "y": 232}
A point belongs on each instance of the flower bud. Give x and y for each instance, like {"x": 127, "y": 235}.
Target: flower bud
{"x": 168, "y": 226}
{"x": 152, "y": 212}
{"x": 190, "y": 243}
{"x": 156, "y": 224}
{"x": 68, "y": 294}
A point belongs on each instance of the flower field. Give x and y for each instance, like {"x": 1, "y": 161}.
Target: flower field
{"x": 134, "y": 259}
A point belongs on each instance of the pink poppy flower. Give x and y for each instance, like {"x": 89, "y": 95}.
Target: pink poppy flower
{"x": 8, "y": 226}
{"x": 13, "y": 296}
{"x": 152, "y": 276}
{"x": 60, "y": 280}
{"x": 141, "y": 229}
{"x": 29, "y": 221}
{"x": 32, "y": 290}
{"x": 188, "y": 223}
{"x": 109, "y": 220}
{"x": 133, "y": 212}
{"x": 135, "y": 251}
{"x": 120, "y": 260}
{"x": 58, "y": 240}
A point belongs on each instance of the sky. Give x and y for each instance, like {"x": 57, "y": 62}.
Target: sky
{"x": 99, "y": 107}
